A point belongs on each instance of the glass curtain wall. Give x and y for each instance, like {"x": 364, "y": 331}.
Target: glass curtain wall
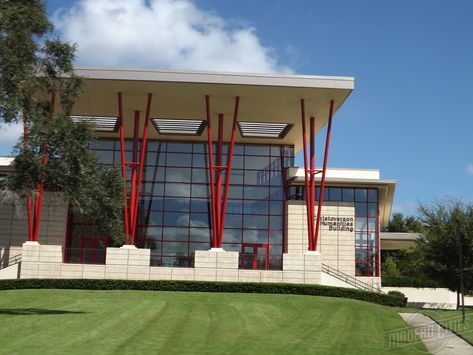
{"x": 174, "y": 208}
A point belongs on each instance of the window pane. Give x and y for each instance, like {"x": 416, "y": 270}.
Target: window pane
{"x": 199, "y": 161}
{"x": 275, "y": 222}
{"x": 199, "y": 175}
{"x": 200, "y": 191}
{"x": 255, "y": 222}
{"x": 155, "y": 204}
{"x": 256, "y": 150}
{"x": 173, "y": 204}
{"x": 233, "y": 221}
{"x": 255, "y": 236}
{"x": 360, "y": 209}
{"x": 372, "y": 195}
{"x": 178, "y": 159}
{"x": 154, "y": 233}
{"x": 256, "y": 192}
{"x": 372, "y": 209}
{"x": 200, "y": 205}
{"x": 200, "y": 220}
{"x": 256, "y": 163}
{"x": 360, "y": 195}
{"x": 335, "y": 194}
{"x": 235, "y": 192}
{"x": 260, "y": 178}
{"x": 102, "y": 144}
{"x": 256, "y": 207}
{"x": 154, "y": 218}
{"x": 174, "y": 234}
{"x": 176, "y": 219}
{"x": 372, "y": 224}
{"x": 178, "y": 174}
{"x": 180, "y": 147}
{"x": 361, "y": 224}
{"x": 104, "y": 156}
{"x": 276, "y": 208}
{"x": 235, "y": 206}
{"x": 237, "y": 162}
{"x": 178, "y": 190}
{"x": 348, "y": 194}
{"x": 171, "y": 248}
{"x": 275, "y": 237}
{"x": 199, "y": 235}
{"x": 232, "y": 236}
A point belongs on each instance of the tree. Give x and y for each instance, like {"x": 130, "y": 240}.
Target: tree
{"x": 404, "y": 224}
{"x": 39, "y": 88}
{"x": 440, "y": 247}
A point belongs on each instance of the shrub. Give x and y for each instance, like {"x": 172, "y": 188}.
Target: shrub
{"x": 205, "y": 286}
{"x": 407, "y": 281}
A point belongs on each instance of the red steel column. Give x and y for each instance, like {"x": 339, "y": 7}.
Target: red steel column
{"x": 312, "y": 174}
{"x": 133, "y": 166}
{"x": 229, "y": 167}
{"x": 307, "y": 191}
{"x": 28, "y": 196}
{"x": 211, "y": 174}
{"x": 123, "y": 166}
{"x": 324, "y": 170}
{"x": 40, "y": 188}
{"x": 143, "y": 150}
{"x": 219, "y": 169}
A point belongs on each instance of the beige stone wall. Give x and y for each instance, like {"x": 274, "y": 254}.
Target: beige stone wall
{"x": 14, "y": 226}
{"x": 337, "y": 247}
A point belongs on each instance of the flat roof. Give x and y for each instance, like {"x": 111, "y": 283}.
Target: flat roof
{"x": 181, "y": 95}
{"x": 395, "y": 241}
{"x": 363, "y": 178}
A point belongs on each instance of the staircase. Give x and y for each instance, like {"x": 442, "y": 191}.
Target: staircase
{"x": 352, "y": 281}
{"x": 12, "y": 260}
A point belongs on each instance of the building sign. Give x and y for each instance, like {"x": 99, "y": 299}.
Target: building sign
{"x": 337, "y": 224}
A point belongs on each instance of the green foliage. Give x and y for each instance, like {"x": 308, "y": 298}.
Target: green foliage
{"x": 408, "y": 281}
{"x": 38, "y": 86}
{"x": 397, "y": 293}
{"x": 404, "y": 224}
{"x": 205, "y": 286}
{"x": 389, "y": 267}
{"x": 440, "y": 248}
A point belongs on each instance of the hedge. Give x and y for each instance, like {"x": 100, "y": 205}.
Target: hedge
{"x": 204, "y": 286}
{"x": 408, "y": 281}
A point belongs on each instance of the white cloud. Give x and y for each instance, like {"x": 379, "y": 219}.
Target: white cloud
{"x": 9, "y": 134}
{"x": 173, "y": 34}
{"x": 469, "y": 169}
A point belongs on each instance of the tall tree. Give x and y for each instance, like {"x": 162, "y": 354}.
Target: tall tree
{"x": 440, "y": 248}
{"x": 39, "y": 88}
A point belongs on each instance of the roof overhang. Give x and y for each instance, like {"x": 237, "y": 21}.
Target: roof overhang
{"x": 396, "y": 241}
{"x": 363, "y": 178}
{"x": 181, "y": 95}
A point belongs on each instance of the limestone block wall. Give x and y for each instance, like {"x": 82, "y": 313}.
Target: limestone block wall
{"x": 336, "y": 246}
{"x": 45, "y": 261}
{"x": 14, "y": 225}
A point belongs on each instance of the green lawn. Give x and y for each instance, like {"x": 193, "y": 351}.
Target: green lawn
{"x": 118, "y": 322}
{"x": 452, "y": 321}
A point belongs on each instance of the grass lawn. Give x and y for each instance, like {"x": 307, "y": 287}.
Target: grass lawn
{"x": 452, "y": 321}
{"x": 118, "y": 322}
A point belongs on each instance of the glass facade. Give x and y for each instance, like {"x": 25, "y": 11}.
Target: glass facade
{"x": 174, "y": 208}
{"x": 366, "y": 222}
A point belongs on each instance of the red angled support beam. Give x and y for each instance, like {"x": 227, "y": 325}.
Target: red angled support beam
{"x": 313, "y": 222}
{"x": 217, "y": 206}
{"x": 130, "y": 208}
{"x": 34, "y": 203}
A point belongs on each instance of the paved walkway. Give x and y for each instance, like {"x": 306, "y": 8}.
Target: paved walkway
{"x": 436, "y": 339}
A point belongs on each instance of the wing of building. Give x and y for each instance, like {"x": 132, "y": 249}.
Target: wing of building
{"x": 177, "y": 136}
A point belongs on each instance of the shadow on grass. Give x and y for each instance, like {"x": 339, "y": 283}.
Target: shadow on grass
{"x": 35, "y": 311}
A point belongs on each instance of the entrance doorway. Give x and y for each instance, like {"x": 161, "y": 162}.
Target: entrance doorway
{"x": 254, "y": 256}
{"x": 92, "y": 250}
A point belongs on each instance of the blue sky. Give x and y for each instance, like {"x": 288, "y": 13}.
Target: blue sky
{"x": 411, "y": 114}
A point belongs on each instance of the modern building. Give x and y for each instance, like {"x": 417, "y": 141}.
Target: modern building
{"x": 212, "y": 188}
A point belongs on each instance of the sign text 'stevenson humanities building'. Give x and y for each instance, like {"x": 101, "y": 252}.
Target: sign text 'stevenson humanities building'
{"x": 212, "y": 189}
